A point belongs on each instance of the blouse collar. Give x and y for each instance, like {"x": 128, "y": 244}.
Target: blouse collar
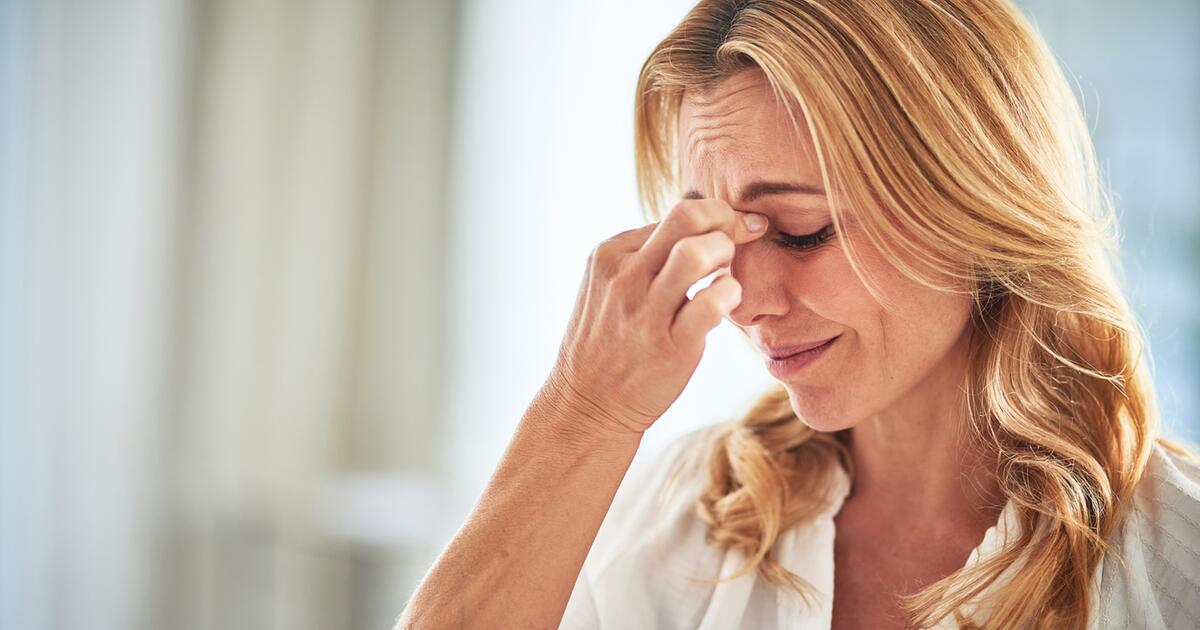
{"x": 807, "y": 551}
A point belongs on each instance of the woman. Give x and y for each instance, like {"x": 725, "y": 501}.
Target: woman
{"x": 902, "y": 200}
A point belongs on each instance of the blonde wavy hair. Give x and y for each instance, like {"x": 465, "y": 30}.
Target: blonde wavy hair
{"x": 952, "y": 132}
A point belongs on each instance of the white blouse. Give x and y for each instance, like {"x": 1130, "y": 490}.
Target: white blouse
{"x": 637, "y": 572}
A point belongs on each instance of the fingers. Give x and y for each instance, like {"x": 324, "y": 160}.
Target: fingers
{"x": 692, "y": 217}
{"x": 690, "y": 260}
{"x": 615, "y": 252}
{"x": 705, "y": 311}
{"x": 633, "y": 239}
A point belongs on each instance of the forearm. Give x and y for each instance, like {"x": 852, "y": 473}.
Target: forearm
{"x": 514, "y": 562}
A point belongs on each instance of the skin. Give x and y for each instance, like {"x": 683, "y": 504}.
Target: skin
{"x": 921, "y": 502}
{"x": 634, "y": 341}
{"x": 632, "y": 344}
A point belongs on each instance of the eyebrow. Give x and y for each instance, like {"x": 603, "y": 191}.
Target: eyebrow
{"x": 762, "y": 189}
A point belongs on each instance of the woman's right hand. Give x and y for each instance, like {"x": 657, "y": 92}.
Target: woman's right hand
{"x": 635, "y": 339}
{"x": 633, "y": 342}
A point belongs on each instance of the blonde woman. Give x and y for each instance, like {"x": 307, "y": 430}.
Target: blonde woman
{"x": 902, "y": 198}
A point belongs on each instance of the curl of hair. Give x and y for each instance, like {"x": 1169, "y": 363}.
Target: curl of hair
{"x": 953, "y": 134}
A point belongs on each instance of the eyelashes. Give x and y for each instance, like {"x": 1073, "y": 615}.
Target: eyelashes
{"x": 805, "y": 241}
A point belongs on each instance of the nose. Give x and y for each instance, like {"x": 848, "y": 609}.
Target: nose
{"x": 764, "y": 290}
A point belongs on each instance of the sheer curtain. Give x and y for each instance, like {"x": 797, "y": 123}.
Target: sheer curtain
{"x": 224, "y": 236}
{"x": 90, "y": 100}
{"x": 311, "y": 326}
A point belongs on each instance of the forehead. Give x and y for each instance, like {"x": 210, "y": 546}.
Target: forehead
{"x": 741, "y": 129}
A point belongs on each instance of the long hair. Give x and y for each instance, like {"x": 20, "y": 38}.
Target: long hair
{"x": 953, "y": 134}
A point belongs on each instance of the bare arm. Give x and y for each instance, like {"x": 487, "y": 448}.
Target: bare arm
{"x": 633, "y": 342}
{"x": 514, "y": 562}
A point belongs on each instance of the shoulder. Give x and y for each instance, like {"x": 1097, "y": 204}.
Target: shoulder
{"x": 1155, "y": 574}
{"x": 1166, "y": 510}
{"x": 1171, "y": 486}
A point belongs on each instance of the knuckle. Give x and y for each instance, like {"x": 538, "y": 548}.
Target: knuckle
{"x": 604, "y": 257}
{"x": 680, "y": 207}
{"x": 717, "y": 206}
{"x": 604, "y": 248}
{"x": 705, "y": 251}
{"x": 625, "y": 234}
{"x": 689, "y": 215}
{"x": 710, "y": 312}
{"x": 690, "y": 252}
{"x": 629, "y": 238}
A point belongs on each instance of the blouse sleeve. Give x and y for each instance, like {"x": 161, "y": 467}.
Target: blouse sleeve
{"x": 1156, "y": 582}
{"x": 654, "y": 499}
{"x": 581, "y": 611}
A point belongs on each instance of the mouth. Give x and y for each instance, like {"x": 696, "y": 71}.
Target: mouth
{"x": 784, "y": 352}
{"x": 785, "y": 363}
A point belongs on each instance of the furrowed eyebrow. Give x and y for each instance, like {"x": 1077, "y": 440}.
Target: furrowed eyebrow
{"x": 762, "y": 189}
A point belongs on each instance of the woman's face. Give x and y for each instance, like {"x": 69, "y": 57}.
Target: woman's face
{"x": 883, "y": 361}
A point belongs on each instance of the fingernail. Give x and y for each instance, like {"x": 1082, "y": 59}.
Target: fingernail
{"x": 754, "y": 221}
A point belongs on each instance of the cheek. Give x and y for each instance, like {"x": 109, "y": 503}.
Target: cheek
{"x": 927, "y": 322}
{"x": 913, "y": 314}
{"x": 916, "y": 326}
{"x": 887, "y": 350}
{"x": 834, "y": 292}
{"x": 912, "y": 335}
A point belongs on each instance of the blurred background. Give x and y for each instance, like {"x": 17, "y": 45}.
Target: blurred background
{"x": 279, "y": 277}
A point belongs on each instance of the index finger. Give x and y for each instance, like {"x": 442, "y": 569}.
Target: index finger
{"x": 692, "y": 217}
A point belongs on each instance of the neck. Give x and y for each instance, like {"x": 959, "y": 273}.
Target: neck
{"x": 915, "y": 462}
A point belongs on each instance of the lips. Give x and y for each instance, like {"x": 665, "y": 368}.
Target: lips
{"x": 784, "y": 351}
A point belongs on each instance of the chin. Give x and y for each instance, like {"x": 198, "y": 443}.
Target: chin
{"x": 818, "y": 413}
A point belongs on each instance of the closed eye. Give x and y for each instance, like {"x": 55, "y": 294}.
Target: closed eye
{"x": 805, "y": 241}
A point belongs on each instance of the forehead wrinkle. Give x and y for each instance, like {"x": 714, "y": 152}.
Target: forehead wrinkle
{"x": 704, "y": 100}
{"x": 702, "y": 146}
{"x": 715, "y": 115}
{"x": 703, "y": 156}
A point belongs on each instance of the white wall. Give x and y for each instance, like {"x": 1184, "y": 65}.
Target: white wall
{"x": 544, "y": 171}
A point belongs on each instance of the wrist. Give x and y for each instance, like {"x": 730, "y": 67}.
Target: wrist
{"x": 567, "y": 417}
